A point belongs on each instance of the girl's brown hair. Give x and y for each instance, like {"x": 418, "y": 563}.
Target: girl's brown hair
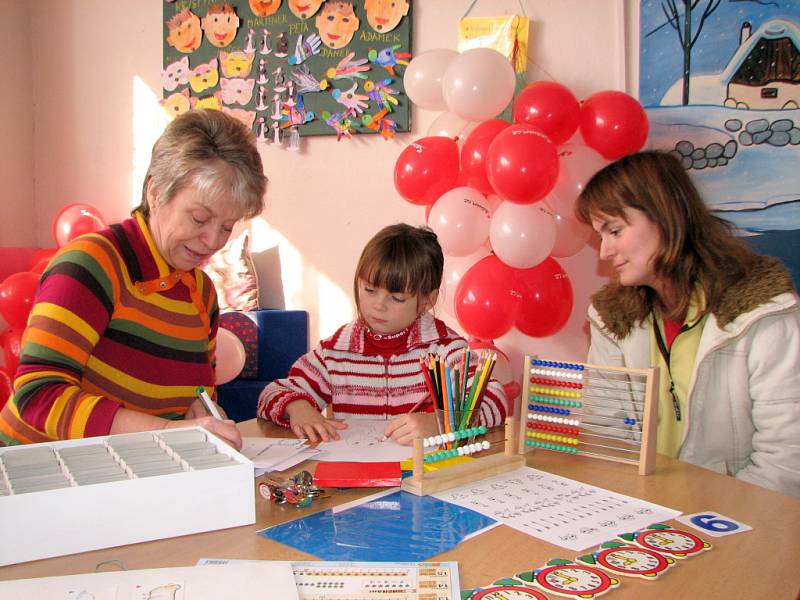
{"x": 401, "y": 259}
{"x": 697, "y": 246}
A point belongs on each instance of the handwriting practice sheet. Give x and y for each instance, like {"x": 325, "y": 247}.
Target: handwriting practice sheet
{"x": 561, "y": 511}
{"x": 363, "y": 441}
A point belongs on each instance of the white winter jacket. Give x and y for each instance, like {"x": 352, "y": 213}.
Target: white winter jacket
{"x": 743, "y": 402}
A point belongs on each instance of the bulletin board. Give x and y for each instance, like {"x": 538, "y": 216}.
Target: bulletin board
{"x": 329, "y": 67}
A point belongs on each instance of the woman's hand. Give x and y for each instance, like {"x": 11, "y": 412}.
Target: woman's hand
{"x": 405, "y": 428}
{"x": 197, "y": 410}
{"x": 307, "y": 422}
{"x": 225, "y": 430}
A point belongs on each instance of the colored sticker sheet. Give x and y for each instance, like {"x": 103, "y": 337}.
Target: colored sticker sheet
{"x": 555, "y": 509}
{"x": 392, "y": 527}
{"x": 368, "y": 580}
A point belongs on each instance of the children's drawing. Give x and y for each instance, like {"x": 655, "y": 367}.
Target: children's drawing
{"x": 720, "y": 80}
{"x": 363, "y": 441}
{"x": 162, "y": 592}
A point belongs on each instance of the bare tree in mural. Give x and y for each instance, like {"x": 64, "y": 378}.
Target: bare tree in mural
{"x": 687, "y": 40}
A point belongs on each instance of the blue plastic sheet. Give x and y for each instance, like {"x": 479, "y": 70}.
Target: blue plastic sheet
{"x": 399, "y": 527}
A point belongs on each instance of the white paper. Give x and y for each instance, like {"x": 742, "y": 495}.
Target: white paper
{"x": 242, "y": 580}
{"x": 363, "y": 441}
{"x": 555, "y": 509}
{"x": 268, "y": 452}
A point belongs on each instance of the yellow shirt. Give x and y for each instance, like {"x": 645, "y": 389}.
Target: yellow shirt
{"x": 682, "y": 355}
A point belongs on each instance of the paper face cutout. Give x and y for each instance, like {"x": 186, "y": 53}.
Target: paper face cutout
{"x": 247, "y": 117}
{"x": 236, "y": 64}
{"x": 303, "y": 9}
{"x": 337, "y": 23}
{"x": 264, "y": 8}
{"x": 220, "y": 24}
{"x": 385, "y": 15}
{"x": 176, "y": 74}
{"x": 213, "y": 101}
{"x": 185, "y": 33}
{"x": 237, "y": 91}
{"x": 204, "y": 76}
{"x": 177, "y": 103}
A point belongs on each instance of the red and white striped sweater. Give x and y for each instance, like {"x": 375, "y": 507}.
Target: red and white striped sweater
{"x": 339, "y": 372}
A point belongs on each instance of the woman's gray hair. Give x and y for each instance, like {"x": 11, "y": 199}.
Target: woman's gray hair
{"x": 212, "y": 153}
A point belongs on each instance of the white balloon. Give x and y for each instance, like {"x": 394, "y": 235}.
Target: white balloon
{"x": 423, "y": 78}
{"x": 576, "y": 165}
{"x": 451, "y": 125}
{"x": 478, "y": 84}
{"x": 522, "y": 235}
{"x": 460, "y": 218}
{"x": 571, "y": 234}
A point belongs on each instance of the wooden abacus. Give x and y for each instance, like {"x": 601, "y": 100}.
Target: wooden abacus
{"x": 597, "y": 411}
{"x": 423, "y": 483}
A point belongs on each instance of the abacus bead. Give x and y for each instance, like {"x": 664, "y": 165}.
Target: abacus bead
{"x": 451, "y": 437}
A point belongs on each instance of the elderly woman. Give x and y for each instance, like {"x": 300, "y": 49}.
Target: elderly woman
{"x": 124, "y": 326}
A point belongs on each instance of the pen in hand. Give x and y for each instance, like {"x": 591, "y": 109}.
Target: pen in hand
{"x": 209, "y": 405}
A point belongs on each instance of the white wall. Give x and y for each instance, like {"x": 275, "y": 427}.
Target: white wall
{"x": 16, "y": 126}
{"x": 96, "y": 81}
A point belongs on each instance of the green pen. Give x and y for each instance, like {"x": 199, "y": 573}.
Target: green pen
{"x": 203, "y": 396}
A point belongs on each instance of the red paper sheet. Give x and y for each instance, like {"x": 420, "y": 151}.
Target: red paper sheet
{"x": 356, "y": 474}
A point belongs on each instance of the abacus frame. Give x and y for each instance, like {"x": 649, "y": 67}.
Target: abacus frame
{"x": 646, "y": 460}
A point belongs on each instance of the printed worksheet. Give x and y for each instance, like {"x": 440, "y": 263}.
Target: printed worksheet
{"x": 243, "y": 580}
{"x": 363, "y": 441}
{"x": 555, "y": 509}
{"x": 276, "y": 454}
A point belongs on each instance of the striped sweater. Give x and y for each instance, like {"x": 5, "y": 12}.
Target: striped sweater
{"x": 339, "y": 373}
{"x": 113, "y": 325}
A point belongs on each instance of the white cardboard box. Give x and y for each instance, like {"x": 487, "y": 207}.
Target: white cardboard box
{"x": 44, "y": 524}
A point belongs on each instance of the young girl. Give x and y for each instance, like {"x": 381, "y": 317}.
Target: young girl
{"x": 370, "y": 368}
{"x": 721, "y": 322}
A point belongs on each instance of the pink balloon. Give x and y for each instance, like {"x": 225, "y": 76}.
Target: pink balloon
{"x": 74, "y": 220}
{"x": 454, "y": 269}
{"x": 522, "y": 235}
{"x": 487, "y": 302}
{"x": 546, "y": 299}
{"x": 522, "y": 164}
{"x": 460, "y": 219}
{"x": 613, "y": 123}
{"x": 422, "y": 80}
{"x": 426, "y": 169}
{"x": 474, "y": 151}
{"x": 576, "y": 165}
{"x": 478, "y": 84}
{"x": 230, "y": 356}
{"x": 571, "y": 234}
{"x": 549, "y": 107}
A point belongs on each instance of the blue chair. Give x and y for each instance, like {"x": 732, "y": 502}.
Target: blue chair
{"x": 281, "y": 338}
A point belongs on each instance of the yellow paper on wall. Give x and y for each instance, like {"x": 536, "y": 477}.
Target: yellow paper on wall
{"x": 507, "y": 34}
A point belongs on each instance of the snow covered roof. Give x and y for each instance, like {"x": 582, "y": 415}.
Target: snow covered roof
{"x": 770, "y": 30}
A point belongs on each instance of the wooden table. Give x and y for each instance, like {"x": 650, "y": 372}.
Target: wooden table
{"x": 760, "y": 564}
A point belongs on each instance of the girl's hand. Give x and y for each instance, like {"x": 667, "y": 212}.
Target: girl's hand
{"x": 405, "y": 428}
{"x": 307, "y": 422}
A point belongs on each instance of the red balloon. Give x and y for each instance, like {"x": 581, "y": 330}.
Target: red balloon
{"x": 42, "y": 254}
{"x": 486, "y": 300}
{"x": 473, "y": 155}
{"x": 12, "y": 339}
{"x": 74, "y": 220}
{"x": 546, "y": 299}
{"x": 549, "y": 107}
{"x": 16, "y": 297}
{"x": 426, "y": 169}
{"x": 522, "y": 164}
{"x": 39, "y": 267}
{"x": 6, "y": 388}
{"x": 613, "y": 123}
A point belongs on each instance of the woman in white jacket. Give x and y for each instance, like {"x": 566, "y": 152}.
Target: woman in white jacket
{"x": 721, "y": 322}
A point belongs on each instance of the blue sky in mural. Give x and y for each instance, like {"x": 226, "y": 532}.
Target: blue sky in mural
{"x": 661, "y": 58}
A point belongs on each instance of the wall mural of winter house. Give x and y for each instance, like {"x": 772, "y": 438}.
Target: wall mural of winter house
{"x": 720, "y": 80}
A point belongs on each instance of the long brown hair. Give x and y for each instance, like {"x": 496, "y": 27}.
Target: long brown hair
{"x": 697, "y": 246}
